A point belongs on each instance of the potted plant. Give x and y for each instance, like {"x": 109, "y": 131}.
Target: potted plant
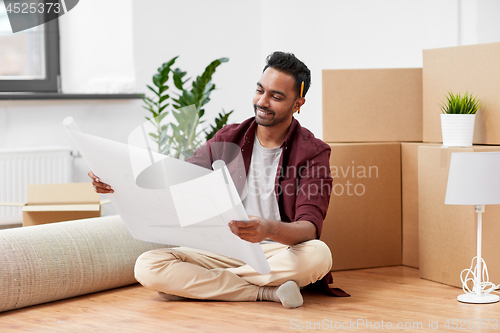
{"x": 180, "y": 136}
{"x": 457, "y": 119}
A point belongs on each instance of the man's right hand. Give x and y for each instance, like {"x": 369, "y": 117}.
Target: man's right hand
{"x": 100, "y": 187}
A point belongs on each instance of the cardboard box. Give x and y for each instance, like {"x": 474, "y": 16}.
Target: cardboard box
{"x": 409, "y": 201}
{"x": 363, "y": 223}
{"x": 472, "y": 68}
{"x": 448, "y": 233}
{"x": 60, "y": 202}
{"x": 368, "y": 105}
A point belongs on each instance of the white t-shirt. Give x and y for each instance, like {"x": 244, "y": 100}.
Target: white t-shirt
{"x": 261, "y": 198}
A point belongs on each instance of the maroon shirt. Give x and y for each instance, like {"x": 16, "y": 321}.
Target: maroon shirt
{"x": 303, "y": 181}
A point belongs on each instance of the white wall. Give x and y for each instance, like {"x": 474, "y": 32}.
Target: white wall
{"x": 39, "y": 123}
{"x": 340, "y": 34}
{"x": 200, "y": 32}
{"x": 479, "y": 21}
{"x": 121, "y": 44}
{"x": 488, "y": 21}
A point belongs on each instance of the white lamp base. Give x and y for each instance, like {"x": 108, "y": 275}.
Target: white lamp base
{"x": 478, "y": 299}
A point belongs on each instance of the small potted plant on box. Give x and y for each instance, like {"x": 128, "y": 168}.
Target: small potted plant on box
{"x": 457, "y": 120}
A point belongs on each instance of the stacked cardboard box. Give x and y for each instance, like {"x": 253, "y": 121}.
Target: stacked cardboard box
{"x": 402, "y": 105}
{"x": 447, "y": 233}
{"x": 472, "y": 68}
{"x": 409, "y": 203}
{"x": 363, "y": 224}
{"x": 372, "y": 105}
{"x": 366, "y": 114}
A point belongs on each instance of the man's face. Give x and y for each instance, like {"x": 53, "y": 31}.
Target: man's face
{"x": 275, "y": 98}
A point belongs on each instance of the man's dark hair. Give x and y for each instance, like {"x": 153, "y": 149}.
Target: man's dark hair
{"x": 287, "y": 63}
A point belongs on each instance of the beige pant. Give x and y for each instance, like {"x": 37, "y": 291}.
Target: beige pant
{"x": 199, "y": 274}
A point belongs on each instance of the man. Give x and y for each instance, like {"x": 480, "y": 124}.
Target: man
{"x": 289, "y": 187}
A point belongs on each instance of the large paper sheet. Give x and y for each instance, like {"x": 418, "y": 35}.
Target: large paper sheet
{"x": 168, "y": 201}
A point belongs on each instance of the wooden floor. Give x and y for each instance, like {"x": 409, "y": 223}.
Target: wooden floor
{"x": 381, "y": 298}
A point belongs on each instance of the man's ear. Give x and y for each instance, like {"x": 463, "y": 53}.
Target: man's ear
{"x": 298, "y": 103}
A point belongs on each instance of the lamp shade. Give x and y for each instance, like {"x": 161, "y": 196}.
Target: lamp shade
{"x": 474, "y": 179}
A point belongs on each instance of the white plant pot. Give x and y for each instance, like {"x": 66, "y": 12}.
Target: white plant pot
{"x": 457, "y": 129}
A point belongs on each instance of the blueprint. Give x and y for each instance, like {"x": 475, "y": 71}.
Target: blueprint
{"x": 168, "y": 201}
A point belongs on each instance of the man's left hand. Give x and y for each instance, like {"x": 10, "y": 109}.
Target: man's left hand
{"x": 255, "y": 230}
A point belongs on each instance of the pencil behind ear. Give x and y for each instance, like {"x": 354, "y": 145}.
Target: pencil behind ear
{"x": 301, "y": 92}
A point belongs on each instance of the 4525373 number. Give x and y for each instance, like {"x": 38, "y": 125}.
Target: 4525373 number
{"x": 32, "y": 8}
{"x": 470, "y": 324}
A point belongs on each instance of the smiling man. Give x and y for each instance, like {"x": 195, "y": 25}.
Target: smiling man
{"x": 289, "y": 184}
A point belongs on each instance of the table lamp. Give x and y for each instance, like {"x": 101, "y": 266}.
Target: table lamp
{"x": 474, "y": 179}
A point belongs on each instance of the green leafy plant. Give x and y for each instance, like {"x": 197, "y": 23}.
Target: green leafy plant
{"x": 184, "y": 135}
{"x": 158, "y": 105}
{"x": 220, "y": 121}
{"x": 458, "y": 104}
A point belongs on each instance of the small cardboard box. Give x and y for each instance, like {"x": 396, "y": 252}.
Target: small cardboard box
{"x": 471, "y": 68}
{"x": 372, "y": 105}
{"x": 448, "y": 233}
{"x": 363, "y": 223}
{"x": 60, "y": 202}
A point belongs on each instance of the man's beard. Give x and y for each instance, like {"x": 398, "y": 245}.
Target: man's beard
{"x": 271, "y": 122}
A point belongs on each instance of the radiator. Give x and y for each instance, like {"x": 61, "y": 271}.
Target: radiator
{"x": 25, "y": 166}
